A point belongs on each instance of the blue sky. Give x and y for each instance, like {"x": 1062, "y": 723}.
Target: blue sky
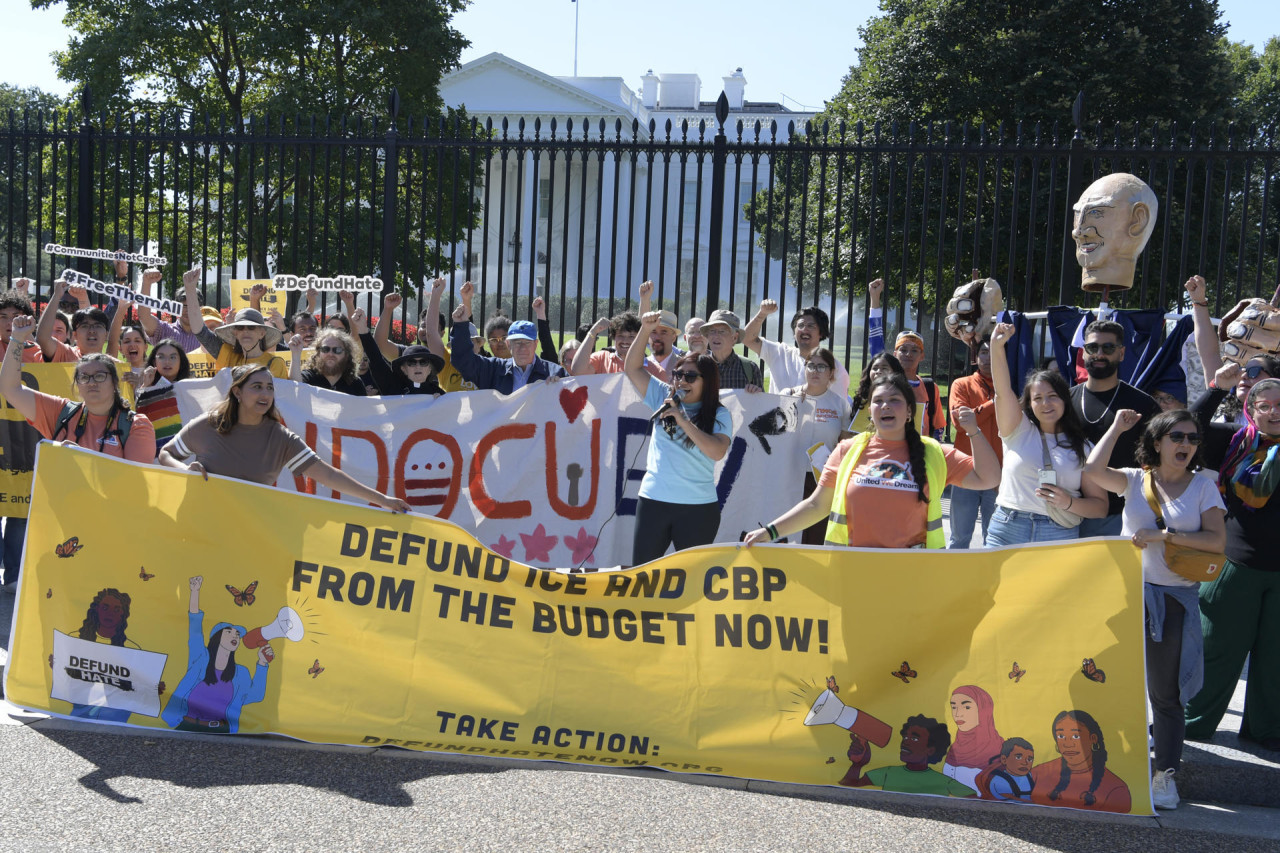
{"x": 798, "y": 57}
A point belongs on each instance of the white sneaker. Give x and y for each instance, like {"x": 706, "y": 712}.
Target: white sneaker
{"x": 1164, "y": 793}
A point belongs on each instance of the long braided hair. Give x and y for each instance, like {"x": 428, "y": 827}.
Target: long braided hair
{"x": 915, "y": 446}
{"x": 1098, "y": 759}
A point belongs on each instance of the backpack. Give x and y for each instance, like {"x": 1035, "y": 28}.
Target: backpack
{"x": 71, "y": 411}
{"x": 930, "y": 388}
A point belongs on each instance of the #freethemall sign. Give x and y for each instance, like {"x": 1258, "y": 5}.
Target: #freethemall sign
{"x": 955, "y": 673}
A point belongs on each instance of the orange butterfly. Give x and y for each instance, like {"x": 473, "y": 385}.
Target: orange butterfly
{"x": 68, "y": 548}
{"x": 1017, "y": 673}
{"x": 243, "y": 598}
{"x": 831, "y": 684}
{"x": 905, "y": 672}
{"x": 316, "y": 669}
{"x": 142, "y": 573}
{"x": 1092, "y": 672}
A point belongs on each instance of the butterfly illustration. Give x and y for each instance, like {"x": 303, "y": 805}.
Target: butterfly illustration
{"x": 243, "y": 598}
{"x": 49, "y": 594}
{"x": 316, "y": 669}
{"x": 831, "y": 760}
{"x": 142, "y": 573}
{"x": 831, "y": 684}
{"x": 68, "y": 548}
{"x": 905, "y": 672}
{"x": 1092, "y": 672}
{"x": 1017, "y": 673}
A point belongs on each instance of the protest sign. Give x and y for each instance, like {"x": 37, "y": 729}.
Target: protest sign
{"x": 902, "y": 670}
{"x": 550, "y": 472}
{"x": 272, "y": 299}
{"x": 18, "y": 438}
{"x": 121, "y": 291}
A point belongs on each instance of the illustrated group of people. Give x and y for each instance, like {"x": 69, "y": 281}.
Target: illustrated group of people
{"x": 1053, "y": 462}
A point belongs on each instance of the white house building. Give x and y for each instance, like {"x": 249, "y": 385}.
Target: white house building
{"x": 584, "y": 227}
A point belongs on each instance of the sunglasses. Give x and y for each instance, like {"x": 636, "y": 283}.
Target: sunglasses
{"x": 1177, "y": 437}
{"x": 417, "y": 362}
{"x": 1253, "y": 371}
{"x": 686, "y": 375}
{"x": 329, "y": 349}
{"x": 1106, "y": 349}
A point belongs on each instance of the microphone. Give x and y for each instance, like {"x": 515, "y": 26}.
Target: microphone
{"x": 679, "y": 397}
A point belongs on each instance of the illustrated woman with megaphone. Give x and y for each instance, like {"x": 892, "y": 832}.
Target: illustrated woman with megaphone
{"x": 215, "y": 688}
{"x": 678, "y": 502}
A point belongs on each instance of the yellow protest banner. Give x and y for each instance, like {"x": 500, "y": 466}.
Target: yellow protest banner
{"x": 18, "y": 438}
{"x": 909, "y": 671}
{"x": 240, "y": 288}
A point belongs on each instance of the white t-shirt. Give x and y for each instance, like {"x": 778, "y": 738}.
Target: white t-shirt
{"x": 1182, "y": 513}
{"x": 822, "y": 419}
{"x": 786, "y": 367}
{"x": 1023, "y": 459}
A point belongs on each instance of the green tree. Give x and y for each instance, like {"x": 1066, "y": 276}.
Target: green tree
{"x": 258, "y": 68}
{"x": 1258, "y": 99}
{"x": 989, "y": 72}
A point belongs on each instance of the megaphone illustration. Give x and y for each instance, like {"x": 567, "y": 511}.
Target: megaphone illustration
{"x": 288, "y": 624}
{"x": 827, "y": 709}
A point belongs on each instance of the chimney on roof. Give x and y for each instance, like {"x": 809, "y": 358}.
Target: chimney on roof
{"x": 649, "y": 90}
{"x": 735, "y": 87}
{"x": 679, "y": 91}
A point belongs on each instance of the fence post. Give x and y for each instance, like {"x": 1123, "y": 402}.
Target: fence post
{"x": 719, "y": 157}
{"x": 1075, "y": 186}
{"x": 390, "y": 177}
{"x": 84, "y": 187}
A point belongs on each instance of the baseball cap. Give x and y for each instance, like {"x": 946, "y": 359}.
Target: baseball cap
{"x": 522, "y": 330}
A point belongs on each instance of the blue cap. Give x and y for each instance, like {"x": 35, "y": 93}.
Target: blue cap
{"x": 522, "y": 330}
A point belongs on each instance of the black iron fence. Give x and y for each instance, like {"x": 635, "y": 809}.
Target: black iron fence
{"x": 719, "y": 212}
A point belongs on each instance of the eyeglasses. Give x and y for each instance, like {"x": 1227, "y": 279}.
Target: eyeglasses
{"x": 1095, "y": 348}
{"x": 92, "y": 379}
{"x": 88, "y": 327}
{"x": 335, "y": 350}
{"x": 417, "y": 362}
{"x": 809, "y": 326}
{"x": 1266, "y": 408}
{"x": 1177, "y": 437}
{"x": 686, "y": 375}
{"x": 496, "y": 340}
{"x": 1253, "y": 371}
{"x": 816, "y": 367}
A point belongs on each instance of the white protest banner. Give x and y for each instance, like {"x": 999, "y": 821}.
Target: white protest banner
{"x": 97, "y": 678}
{"x": 120, "y": 291}
{"x": 547, "y": 475}
{"x": 338, "y": 282}
{"x": 104, "y": 255}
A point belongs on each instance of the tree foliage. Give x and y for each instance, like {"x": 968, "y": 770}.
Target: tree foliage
{"x": 241, "y": 94}
{"x": 948, "y": 75}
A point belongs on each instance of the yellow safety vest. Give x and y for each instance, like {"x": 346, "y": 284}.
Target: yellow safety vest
{"x": 935, "y": 464}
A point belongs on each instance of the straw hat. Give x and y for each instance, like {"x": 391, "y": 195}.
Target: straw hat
{"x": 248, "y": 318}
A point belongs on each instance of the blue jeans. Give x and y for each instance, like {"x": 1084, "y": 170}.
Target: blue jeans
{"x": 1109, "y": 525}
{"x": 15, "y": 530}
{"x": 965, "y": 506}
{"x": 1016, "y": 527}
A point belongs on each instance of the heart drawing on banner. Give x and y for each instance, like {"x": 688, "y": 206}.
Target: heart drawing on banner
{"x": 573, "y": 402}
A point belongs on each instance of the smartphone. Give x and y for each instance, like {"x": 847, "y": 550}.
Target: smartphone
{"x": 1048, "y": 477}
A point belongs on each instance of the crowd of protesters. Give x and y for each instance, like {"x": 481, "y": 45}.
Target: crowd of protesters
{"x": 1053, "y": 462}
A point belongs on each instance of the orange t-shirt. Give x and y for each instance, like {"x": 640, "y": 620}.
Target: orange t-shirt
{"x": 30, "y": 355}
{"x": 881, "y": 501}
{"x": 141, "y": 446}
{"x": 64, "y": 353}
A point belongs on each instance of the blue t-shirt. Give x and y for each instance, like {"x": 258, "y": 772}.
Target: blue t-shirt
{"x": 676, "y": 473}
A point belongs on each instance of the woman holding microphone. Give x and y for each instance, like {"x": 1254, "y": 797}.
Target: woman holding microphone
{"x": 678, "y": 502}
